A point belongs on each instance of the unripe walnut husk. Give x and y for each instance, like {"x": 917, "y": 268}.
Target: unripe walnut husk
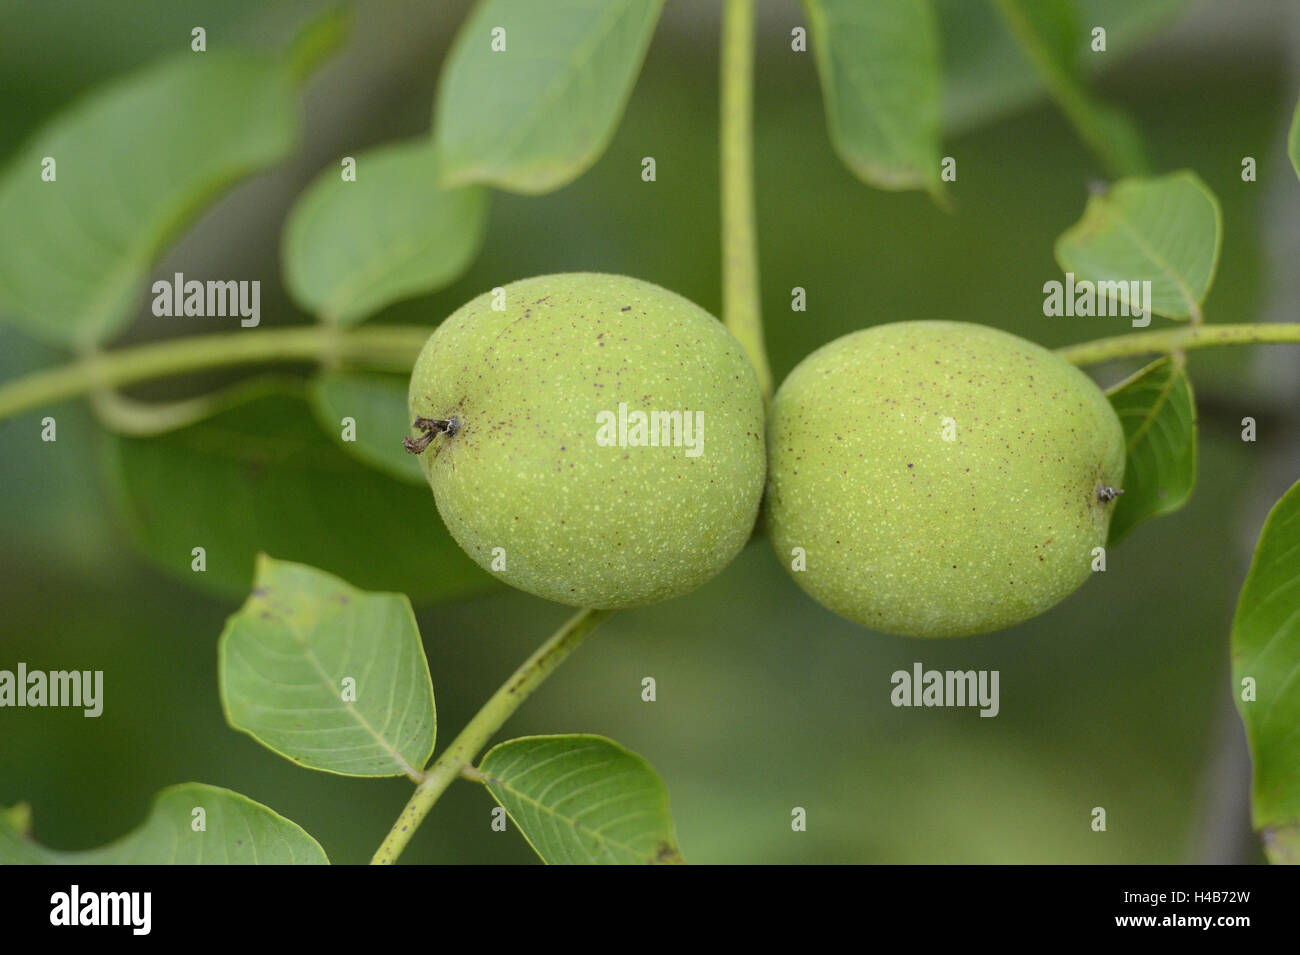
{"x": 938, "y": 479}
{"x": 526, "y": 423}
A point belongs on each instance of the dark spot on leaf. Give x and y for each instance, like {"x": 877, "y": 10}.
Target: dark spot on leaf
{"x": 667, "y": 854}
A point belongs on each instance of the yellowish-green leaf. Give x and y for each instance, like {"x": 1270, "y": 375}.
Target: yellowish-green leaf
{"x": 189, "y": 824}
{"x": 1166, "y": 230}
{"x": 326, "y": 675}
{"x": 583, "y": 800}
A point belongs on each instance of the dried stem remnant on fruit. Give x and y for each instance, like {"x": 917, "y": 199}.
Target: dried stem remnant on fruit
{"x": 432, "y": 427}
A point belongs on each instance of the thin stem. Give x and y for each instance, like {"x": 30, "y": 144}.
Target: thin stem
{"x": 1070, "y": 95}
{"x": 127, "y": 416}
{"x": 1176, "y": 339}
{"x": 460, "y": 754}
{"x": 741, "y": 311}
{"x": 392, "y": 347}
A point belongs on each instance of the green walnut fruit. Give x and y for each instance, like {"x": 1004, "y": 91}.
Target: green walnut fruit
{"x": 938, "y": 479}
{"x": 592, "y": 439}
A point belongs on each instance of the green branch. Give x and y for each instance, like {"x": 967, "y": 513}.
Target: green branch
{"x": 391, "y": 347}
{"x": 1178, "y": 339}
{"x": 395, "y": 347}
{"x": 460, "y": 754}
{"x": 741, "y": 311}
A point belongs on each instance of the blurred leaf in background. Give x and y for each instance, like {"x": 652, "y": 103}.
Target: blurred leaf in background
{"x": 263, "y": 477}
{"x": 235, "y": 831}
{"x": 530, "y": 94}
{"x": 881, "y": 79}
{"x": 87, "y": 206}
{"x": 353, "y": 246}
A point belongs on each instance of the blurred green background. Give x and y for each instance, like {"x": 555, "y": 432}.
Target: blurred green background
{"x": 1117, "y": 698}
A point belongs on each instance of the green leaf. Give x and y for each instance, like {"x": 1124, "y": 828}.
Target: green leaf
{"x": 136, "y": 162}
{"x": 1158, "y": 413}
{"x": 1050, "y": 37}
{"x": 583, "y": 800}
{"x": 1293, "y": 140}
{"x": 237, "y": 831}
{"x": 1266, "y": 651}
{"x": 1165, "y": 230}
{"x": 351, "y": 248}
{"x": 262, "y": 477}
{"x": 328, "y": 676}
{"x": 883, "y": 86}
{"x": 535, "y": 116}
{"x": 377, "y": 406}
